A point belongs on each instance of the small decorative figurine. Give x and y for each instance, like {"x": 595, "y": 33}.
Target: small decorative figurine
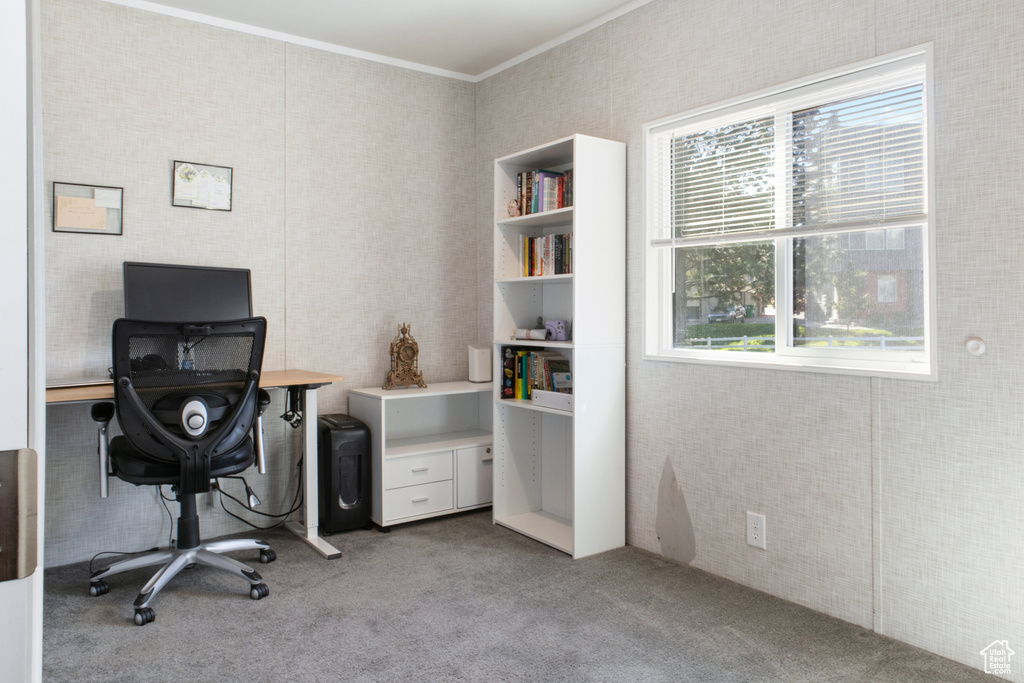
{"x": 512, "y": 208}
{"x": 404, "y": 361}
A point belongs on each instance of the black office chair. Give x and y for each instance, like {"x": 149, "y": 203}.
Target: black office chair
{"x": 186, "y": 398}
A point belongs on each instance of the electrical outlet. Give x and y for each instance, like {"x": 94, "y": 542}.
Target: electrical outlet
{"x": 756, "y": 530}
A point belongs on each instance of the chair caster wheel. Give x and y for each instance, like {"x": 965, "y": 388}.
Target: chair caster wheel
{"x": 267, "y": 555}
{"x": 98, "y": 588}
{"x": 144, "y": 615}
{"x": 258, "y": 590}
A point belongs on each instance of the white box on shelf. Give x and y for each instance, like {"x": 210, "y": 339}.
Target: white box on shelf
{"x": 480, "y": 362}
{"x": 553, "y": 399}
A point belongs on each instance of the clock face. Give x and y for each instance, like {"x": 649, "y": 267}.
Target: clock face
{"x": 407, "y": 353}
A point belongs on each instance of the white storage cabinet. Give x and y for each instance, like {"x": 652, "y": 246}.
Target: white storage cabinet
{"x": 431, "y": 449}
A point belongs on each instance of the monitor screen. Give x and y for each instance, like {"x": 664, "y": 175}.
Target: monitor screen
{"x": 172, "y": 293}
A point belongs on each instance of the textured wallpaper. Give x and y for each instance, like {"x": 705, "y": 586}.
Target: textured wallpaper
{"x": 380, "y": 226}
{"x": 890, "y": 503}
{"x": 353, "y": 205}
{"x": 125, "y": 93}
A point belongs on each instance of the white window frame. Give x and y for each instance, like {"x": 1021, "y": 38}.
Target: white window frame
{"x": 813, "y": 91}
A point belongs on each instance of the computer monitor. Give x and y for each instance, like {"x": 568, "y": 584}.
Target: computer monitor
{"x": 176, "y": 293}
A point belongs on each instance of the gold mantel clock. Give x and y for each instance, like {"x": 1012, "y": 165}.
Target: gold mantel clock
{"x": 404, "y": 361}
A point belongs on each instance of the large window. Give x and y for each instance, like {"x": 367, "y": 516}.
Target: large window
{"x": 791, "y": 228}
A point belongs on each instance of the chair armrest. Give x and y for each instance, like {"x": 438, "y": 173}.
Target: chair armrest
{"x": 102, "y": 414}
{"x": 262, "y": 402}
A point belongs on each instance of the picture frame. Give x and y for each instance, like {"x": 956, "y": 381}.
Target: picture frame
{"x": 201, "y": 186}
{"x": 90, "y": 209}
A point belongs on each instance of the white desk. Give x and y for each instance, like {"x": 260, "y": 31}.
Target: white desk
{"x": 297, "y": 380}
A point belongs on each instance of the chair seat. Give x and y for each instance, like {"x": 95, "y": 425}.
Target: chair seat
{"x": 136, "y": 467}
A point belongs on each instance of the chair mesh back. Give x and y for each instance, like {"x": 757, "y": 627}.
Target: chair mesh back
{"x": 164, "y": 364}
{"x": 167, "y": 366}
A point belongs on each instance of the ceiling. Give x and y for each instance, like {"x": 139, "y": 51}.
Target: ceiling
{"x": 468, "y": 39}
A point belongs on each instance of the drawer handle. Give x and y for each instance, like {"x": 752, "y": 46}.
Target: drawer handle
{"x": 424, "y": 499}
{"x": 487, "y": 460}
{"x": 420, "y": 469}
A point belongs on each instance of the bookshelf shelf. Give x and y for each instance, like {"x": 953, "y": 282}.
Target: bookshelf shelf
{"x": 536, "y": 344}
{"x": 533, "y": 279}
{"x": 530, "y": 405}
{"x": 541, "y": 526}
{"x": 544, "y": 219}
{"x": 559, "y": 475}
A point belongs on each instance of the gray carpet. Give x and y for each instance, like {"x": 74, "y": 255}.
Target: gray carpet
{"x": 459, "y": 599}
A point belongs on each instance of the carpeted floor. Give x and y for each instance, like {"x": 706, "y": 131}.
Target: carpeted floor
{"x": 459, "y": 599}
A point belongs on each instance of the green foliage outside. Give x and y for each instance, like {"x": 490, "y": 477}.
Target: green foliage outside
{"x": 730, "y": 330}
{"x": 763, "y": 334}
{"x": 758, "y": 334}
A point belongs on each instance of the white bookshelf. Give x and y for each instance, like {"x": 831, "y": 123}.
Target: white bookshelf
{"x": 559, "y": 476}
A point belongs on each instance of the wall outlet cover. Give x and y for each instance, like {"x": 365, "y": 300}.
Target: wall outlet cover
{"x": 756, "y": 530}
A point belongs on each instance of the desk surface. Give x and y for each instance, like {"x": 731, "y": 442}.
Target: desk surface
{"x": 268, "y": 379}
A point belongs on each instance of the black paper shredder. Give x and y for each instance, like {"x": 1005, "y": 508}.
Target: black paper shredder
{"x": 344, "y": 445}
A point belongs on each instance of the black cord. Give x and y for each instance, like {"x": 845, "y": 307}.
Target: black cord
{"x": 256, "y": 526}
{"x": 170, "y": 535}
{"x": 188, "y": 349}
{"x": 283, "y": 517}
{"x": 293, "y": 411}
{"x": 296, "y": 505}
{"x": 170, "y": 517}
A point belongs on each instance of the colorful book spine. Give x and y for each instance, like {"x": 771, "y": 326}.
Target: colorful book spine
{"x": 547, "y": 255}
{"x": 519, "y": 194}
{"x": 509, "y": 370}
{"x": 546, "y": 190}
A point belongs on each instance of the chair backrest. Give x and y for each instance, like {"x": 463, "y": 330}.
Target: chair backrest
{"x": 187, "y": 392}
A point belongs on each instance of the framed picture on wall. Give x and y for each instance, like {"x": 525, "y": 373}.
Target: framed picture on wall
{"x": 201, "y": 186}
{"x": 92, "y": 209}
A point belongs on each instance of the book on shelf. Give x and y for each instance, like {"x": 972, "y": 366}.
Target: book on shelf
{"x": 509, "y": 370}
{"x": 546, "y": 255}
{"x": 525, "y": 370}
{"x": 561, "y": 382}
{"x": 542, "y": 190}
{"x": 545, "y": 190}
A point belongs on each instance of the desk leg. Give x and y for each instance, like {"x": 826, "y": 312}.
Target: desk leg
{"x": 309, "y": 530}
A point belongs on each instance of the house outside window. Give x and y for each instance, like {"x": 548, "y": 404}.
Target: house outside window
{"x": 791, "y": 228}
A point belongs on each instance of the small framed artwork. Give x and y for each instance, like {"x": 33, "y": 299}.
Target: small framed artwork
{"x": 201, "y": 186}
{"x": 92, "y": 209}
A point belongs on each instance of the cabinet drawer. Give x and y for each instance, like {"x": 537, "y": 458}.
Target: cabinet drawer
{"x": 476, "y": 471}
{"x": 411, "y": 470}
{"x": 417, "y": 500}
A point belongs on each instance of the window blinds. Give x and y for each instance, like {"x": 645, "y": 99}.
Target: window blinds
{"x": 860, "y": 160}
{"x": 854, "y": 163}
{"x": 724, "y": 179}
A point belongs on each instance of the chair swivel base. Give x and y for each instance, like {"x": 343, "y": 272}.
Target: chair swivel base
{"x": 173, "y": 561}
